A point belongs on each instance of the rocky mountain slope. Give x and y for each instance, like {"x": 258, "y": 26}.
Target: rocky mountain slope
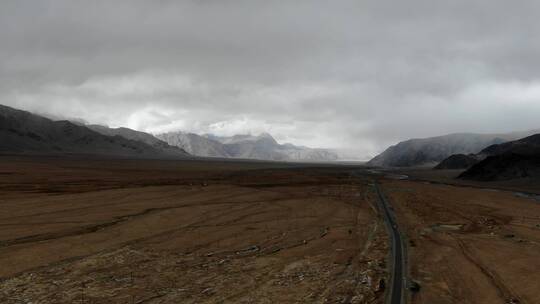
{"x": 504, "y": 167}
{"x": 458, "y": 161}
{"x": 431, "y": 151}
{"x": 138, "y": 136}
{"x": 529, "y": 145}
{"x": 24, "y": 132}
{"x": 511, "y": 160}
{"x": 263, "y": 147}
{"x": 195, "y": 144}
{"x": 526, "y": 146}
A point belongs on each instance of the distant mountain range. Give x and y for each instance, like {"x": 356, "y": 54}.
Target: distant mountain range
{"x": 263, "y": 147}
{"x": 433, "y": 150}
{"x": 24, "y": 132}
{"x": 195, "y": 144}
{"x": 488, "y": 156}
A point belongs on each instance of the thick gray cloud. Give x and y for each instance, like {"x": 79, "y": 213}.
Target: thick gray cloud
{"x": 345, "y": 74}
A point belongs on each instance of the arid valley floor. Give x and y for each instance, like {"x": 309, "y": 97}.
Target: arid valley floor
{"x": 186, "y": 232}
{"x": 133, "y": 231}
{"x": 469, "y": 245}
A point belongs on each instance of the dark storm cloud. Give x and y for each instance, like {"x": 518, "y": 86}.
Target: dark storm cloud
{"x": 356, "y": 74}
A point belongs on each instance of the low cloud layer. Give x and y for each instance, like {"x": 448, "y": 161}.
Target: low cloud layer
{"x": 345, "y": 74}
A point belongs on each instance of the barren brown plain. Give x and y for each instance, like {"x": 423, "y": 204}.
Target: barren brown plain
{"x": 140, "y": 231}
{"x": 467, "y": 244}
{"x": 90, "y": 230}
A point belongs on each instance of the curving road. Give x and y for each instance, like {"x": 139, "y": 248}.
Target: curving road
{"x": 396, "y": 293}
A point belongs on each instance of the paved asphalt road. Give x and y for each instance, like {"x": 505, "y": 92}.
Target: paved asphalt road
{"x": 397, "y": 281}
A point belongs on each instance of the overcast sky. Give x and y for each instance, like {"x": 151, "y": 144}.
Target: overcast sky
{"x": 344, "y": 74}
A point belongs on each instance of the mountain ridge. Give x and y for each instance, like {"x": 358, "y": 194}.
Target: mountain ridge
{"x": 432, "y": 150}
{"x": 24, "y": 132}
{"x": 262, "y": 147}
{"x": 510, "y": 160}
{"x": 137, "y": 136}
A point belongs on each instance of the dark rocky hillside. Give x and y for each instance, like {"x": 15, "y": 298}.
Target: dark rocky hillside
{"x": 526, "y": 146}
{"x": 457, "y": 161}
{"x": 139, "y": 136}
{"x": 24, "y": 132}
{"x": 511, "y": 160}
{"x": 504, "y": 167}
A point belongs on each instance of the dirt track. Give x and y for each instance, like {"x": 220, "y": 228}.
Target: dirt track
{"x": 173, "y": 232}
